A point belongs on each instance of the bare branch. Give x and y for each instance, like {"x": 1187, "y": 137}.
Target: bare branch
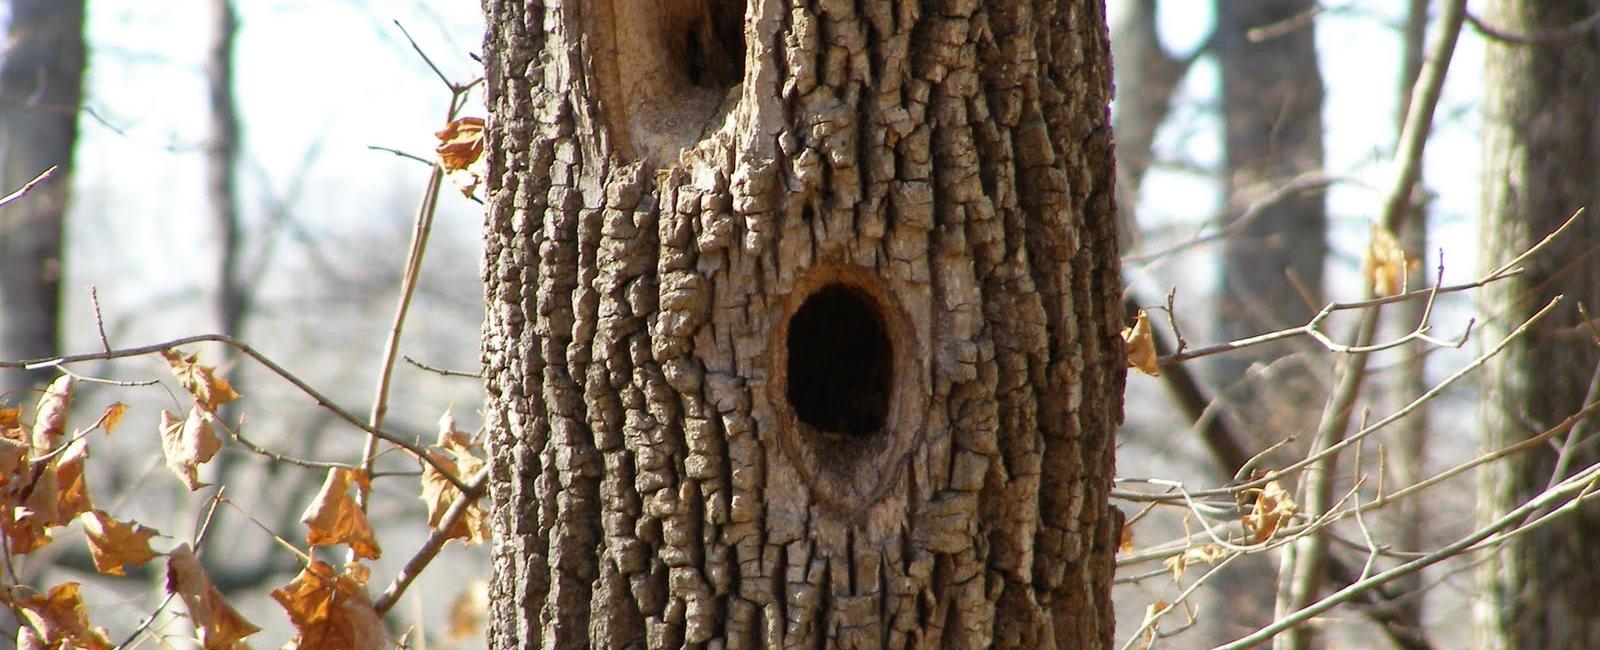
{"x": 28, "y": 187}
{"x": 1541, "y": 37}
{"x": 321, "y": 400}
{"x": 434, "y": 543}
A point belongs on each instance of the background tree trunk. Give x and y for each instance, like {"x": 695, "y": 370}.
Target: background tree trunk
{"x": 1271, "y": 96}
{"x": 806, "y": 340}
{"x": 1272, "y": 123}
{"x": 1541, "y": 163}
{"x": 41, "y": 87}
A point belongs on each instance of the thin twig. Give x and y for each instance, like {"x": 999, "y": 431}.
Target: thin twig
{"x": 1402, "y": 412}
{"x": 237, "y": 433}
{"x": 391, "y": 347}
{"x": 402, "y": 154}
{"x": 321, "y": 399}
{"x": 1541, "y": 37}
{"x": 434, "y": 543}
{"x": 28, "y": 187}
{"x": 1582, "y": 483}
{"x": 1310, "y": 182}
{"x": 99, "y": 320}
{"x": 425, "y": 58}
{"x": 446, "y": 372}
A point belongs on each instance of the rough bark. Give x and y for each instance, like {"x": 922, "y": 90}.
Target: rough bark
{"x": 1541, "y": 163}
{"x": 41, "y": 87}
{"x": 698, "y": 232}
{"x": 1271, "y": 108}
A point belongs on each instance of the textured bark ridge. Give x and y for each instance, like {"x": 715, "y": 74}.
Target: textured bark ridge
{"x": 812, "y": 347}
{"x": 1541, "y": 163}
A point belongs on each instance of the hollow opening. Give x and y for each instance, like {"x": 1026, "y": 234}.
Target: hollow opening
{"x": 713, "y": 44}
{"x": 840, "y": 363}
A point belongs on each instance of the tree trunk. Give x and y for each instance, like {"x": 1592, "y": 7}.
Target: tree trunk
{"x": 1272, "y": 122}
{"x": 1541, "y": 156}
{"x": 1271, "y": 96}
{"x": 802, "y": 324}
{"x": 222, "y": 163}
{"x": 41, "y": 87}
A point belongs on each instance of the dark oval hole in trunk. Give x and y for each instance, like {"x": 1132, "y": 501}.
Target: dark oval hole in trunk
{"x": 841, "y": 363}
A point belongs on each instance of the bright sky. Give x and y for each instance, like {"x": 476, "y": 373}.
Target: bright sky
{"x": 317, "y": 83}
{"x": 327, "y": 79}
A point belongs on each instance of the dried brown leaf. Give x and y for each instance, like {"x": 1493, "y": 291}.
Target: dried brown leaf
{"x": 219, "y": 625}
{"x": 10, "y": 417}
{"x": 334, "y": 517}
{"x": 1387, "y": 263}
{"x": 460, "y": 153}
{"x": 113, "y": 416}
{"x": 454, "y": 452}
{"x": 209, "y": 390}
{"x": 31, "y": 507}
{"x": 1126, "y": 544}
{"x": 13, "y": 456}
{"x": 72, "y": 488}
{"x": 59, "y": 619}
{"x": 331, "y": 610}
{"x": 1274, "y": 506}
{"x": 114, "y": 544}
{"x": 50, "y": 416}
{"x": 1141, "y": 345}
{"x": 1206, "y": 554}
{"x": 188, "y": 443}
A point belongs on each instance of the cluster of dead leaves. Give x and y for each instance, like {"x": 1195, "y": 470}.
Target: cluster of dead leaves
{"x": 1273, "y": 508}
{"x": 460, "y": 153}
{"x": 43, "y": 488}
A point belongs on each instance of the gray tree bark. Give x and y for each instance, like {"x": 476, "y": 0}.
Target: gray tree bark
{"x": 1271, "y": 96}
{"x": 1272, "y": 123}
{"x": 1541, "y": 163}
{"x": 802, "y": 324}
{"x": 41, "y": 88}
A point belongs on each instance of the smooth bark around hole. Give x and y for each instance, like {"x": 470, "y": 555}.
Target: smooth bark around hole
{"x": 840, "y": 363}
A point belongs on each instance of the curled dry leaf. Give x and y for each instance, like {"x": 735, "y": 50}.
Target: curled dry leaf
{"x": 187, "y": 443}
{"x": 1126, "y": 545}
{"x": 1386, "y": 263}
{"x": 58, "y": 619}
{"x": 460, "y": 153}
{"x": 1274, "y": 506}
{"x": 1207, "y": 554}
{"x": 72, "y": 489}
{"x": 10, "y": 416}
{"x": 454, "y": 452}
{"x": 114, "y": 544}
{"x": 50, "y": 416}
{"x": 13, "y": 453}
{"x": 48, "y": 494}
{"x": 113, "y": 416}
{"x": 209, "y": 390}
{"x": 1141, "y": 345}
{"x": 334, "y": 517}
{"x": 331, "y": 610}
{"x": 219, "y": 625}
{"x": 30, "y": 508}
